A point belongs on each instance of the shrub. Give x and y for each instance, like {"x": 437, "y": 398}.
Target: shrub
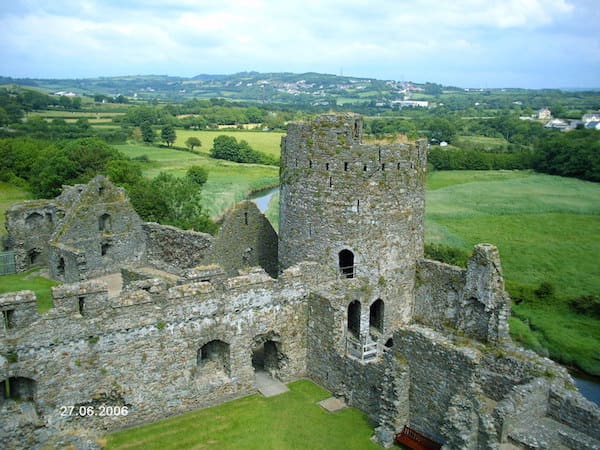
{"x": 545, "y": 290}
{"x": 586, "y": 304}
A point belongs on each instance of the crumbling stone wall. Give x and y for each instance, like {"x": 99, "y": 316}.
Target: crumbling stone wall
{"x": 173, "y": 250}
{"x": 471, "y": 301}
{"x": 30, "y": 225}
{"x": 246, "y": 238}
{"x": 99, "y": 233}
{"x": 143, "y": 349}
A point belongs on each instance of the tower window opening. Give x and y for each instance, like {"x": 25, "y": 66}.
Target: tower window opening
{"x": 376, "y": 315}
{"x": 382, "y": 167}
{"x": 104, "y": 248}
{"x": 326, "y": 166}
{"x": 355, "y": 131}
{"x": 104, "y": 223}
{"x": 310, "y": 163}
{"x": 353, "y": 323}
{"x": 357, "y": 205}
{"x": 398, "y": 166}
{"x": 364, "y": 168}
{"x": 345, "y": 167}
{"x": 346, "y": 263}
{"x": 379, "y": 153}
{"x": 81, "y": 305}
{"x": 245, "y": 218}
{"x": 330, "y": 182}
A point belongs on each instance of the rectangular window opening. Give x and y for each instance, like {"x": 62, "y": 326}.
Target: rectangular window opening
{"x": 345, "y": 167}
{"x": 326, "y": 166}
{"x": 8, "y": 318}
{"x": 382, "y": 167}
{"x": 81, "y": 305}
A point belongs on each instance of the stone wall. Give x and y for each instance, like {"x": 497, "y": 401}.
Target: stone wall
{"x": 438, "y": 370}
{"x": 102, "y": 228}
{"x": 472, "y": 301}
{"x": 30, "y": 225}
{"x": 144, "y": 349}
{"x": 171, "y": 249}
{"x": 246, "y": 238}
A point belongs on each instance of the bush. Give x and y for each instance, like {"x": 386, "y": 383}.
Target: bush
{"x": 586, "y": 304}
{"x": 545, "y": 290}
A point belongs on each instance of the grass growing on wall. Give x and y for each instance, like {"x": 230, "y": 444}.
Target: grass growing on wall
{"x": 30, "y": 281}
{"x": 292, "y": 420}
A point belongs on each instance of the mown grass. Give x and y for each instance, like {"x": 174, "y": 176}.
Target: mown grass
{"x": 546, "y": 228}
{"x": 292, "y": 420}
{"x": 10, "y": 194}
{"x": 262, "y": 141}
{"x": 227, "y": 183}
{"x": 30, "y": 281}
{"x": 481, "y": 143}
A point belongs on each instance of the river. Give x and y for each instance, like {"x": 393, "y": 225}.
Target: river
{"x": 263, "y": 197}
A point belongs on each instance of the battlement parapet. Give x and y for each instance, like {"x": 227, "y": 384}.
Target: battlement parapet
{"x": 17, "y": 310}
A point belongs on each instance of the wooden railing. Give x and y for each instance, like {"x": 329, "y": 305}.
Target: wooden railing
{"x": 363, "y": 352}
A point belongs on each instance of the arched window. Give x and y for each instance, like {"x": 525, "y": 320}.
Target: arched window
{"x": 376, "y": 315}
{"x": 214, "y": 356}
{"x": 34, "y": 220}
{"x": 354, "y": 318}
{"x": 346, "y": 262}
{"x": 104, "y": 223}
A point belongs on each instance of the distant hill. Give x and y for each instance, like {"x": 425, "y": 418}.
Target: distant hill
{"x": 313, "y": 88}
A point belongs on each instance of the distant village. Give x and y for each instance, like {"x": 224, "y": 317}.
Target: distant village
{"x": 588, "y": 121}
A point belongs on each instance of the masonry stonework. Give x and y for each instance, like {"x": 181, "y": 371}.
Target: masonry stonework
{"x": 342, "y": 296}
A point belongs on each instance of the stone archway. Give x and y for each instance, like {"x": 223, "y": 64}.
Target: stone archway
{"x": 267, "y": 355}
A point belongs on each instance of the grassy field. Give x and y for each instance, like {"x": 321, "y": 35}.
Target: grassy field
{"x": 292, "y": 420}
{"x": 547, "y": 229}
{"x": 227, "y": 183}
{"x": 30, "y": 281}
{"x": 265, "y": 142}
{"x": 487, "y": 144}
{"x": 9, "y": 194}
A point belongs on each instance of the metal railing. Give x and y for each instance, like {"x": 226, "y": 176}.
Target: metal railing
{"x": 7, "y": 263}
{"x": 364, "y": 352}
{"x": 347, "y": 271}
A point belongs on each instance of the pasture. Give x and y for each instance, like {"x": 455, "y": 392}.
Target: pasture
{"x": 262, "y": 141}
{"x": 292, "y": 420}
{"x": 228, "y": 182}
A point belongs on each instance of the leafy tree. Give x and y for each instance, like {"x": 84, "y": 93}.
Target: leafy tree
{"x": 4, "y": 117}
{"x": 197, "y": 174}
{"x": 225, "y": 147}
{"x": 147, "y": 132}
{"x": 168, "y": 135}
{"x": 441, "y": 129}
{"x": 192, "y": 142}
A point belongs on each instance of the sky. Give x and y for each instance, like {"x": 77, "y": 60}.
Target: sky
{"x": 465, "y": 43}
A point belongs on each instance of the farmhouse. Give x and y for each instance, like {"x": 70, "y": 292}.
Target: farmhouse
{"x": 342, "y": 296}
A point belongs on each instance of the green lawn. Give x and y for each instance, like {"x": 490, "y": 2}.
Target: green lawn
{"x": 288, "y": 421}
{"x": 10, "y": 194}
{"x": 265, "y": 142}
{"x": 227, "y": 183}
{"x": 29, "y": 281}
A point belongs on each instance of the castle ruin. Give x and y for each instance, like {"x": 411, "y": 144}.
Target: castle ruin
{"x": 342, "y": 296}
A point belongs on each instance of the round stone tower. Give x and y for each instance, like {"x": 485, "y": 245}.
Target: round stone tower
{"x": 355, "y": 208}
